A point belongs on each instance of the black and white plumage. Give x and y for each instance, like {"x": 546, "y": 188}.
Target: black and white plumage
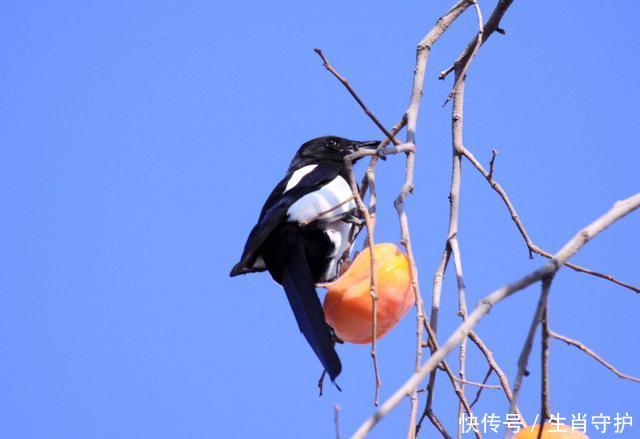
{"x": 303, "y": 231}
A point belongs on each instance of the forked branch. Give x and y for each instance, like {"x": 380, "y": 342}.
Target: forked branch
{"x": 618, "y": 211}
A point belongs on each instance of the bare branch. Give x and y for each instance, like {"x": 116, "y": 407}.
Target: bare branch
{"x": 482, "y": 385}
{"x": 454, "y": 203}
{"x": 447, "y": 369}
{"x": 422, "y": 54}
{"x": 491, "y": 163}
{"x": 544, "y": 273}
{"x": 619, "y": 210}
{"x": 410, "y": 116}
{"x": 452, "y": 243}
{"x": 436, "y": 423}
{"x": 479, "y": 392}
{"x": 344, "y": 82}
{"x": 409, "y": 148}
{"x": 452, "y": 248}
{"x": 545, "y": 410}
{"x": 581, "y": 269}
{"x": 374, "y": 158}
{"x": 491, "y": 26}
{"x": 502, "y": 377}
{"x": 369, "y": 221}
{"x": 523, "y": 359}
{"x": 428, "y": 412}
{"x": 336, "y": 419}
{"x": 461, "y": 72}
{"x": 533, "y": 248}
{"x": 348, "y": 161}
{"x": 369, "y": 179}
{"x": 593, "y": 355}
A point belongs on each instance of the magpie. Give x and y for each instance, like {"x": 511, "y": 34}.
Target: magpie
{"x": 302, "y": 232}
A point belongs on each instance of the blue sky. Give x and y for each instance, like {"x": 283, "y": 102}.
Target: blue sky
{"x": 138, "y": 142}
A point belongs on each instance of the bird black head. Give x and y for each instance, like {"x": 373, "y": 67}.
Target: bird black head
{"x": 330, "y": 148}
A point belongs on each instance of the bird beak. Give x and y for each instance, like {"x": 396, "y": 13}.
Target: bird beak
{"x": 368, "y": 144}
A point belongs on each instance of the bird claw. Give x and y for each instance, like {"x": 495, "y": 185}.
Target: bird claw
{"x": 352, "y": 219}
{"x": 336, "y": 339}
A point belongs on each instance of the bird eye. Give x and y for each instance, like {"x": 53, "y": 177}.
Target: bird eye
{"x": 332, "y": 143}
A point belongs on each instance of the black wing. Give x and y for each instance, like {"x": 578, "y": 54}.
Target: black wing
{"x": 274, "y": 211}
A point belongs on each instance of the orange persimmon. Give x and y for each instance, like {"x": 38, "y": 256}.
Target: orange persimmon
{"x": 347, "y": 305}
{"x": 531, "y": 432}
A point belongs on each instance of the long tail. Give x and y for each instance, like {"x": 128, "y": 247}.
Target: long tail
{"x": 306, "y": 306}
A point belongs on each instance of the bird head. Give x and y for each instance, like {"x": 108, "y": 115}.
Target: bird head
{"x": 331, "y": 148}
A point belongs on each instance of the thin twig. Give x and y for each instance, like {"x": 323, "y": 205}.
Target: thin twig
{"x": 451, "y": 243}
{"x": 437, "y": 424}
{"x": 482, "y": 385}
{"x": 496, "y": 187}
{"x": 438, "y": 276}
{"x": 454, "y": 214}
{"x": 593, "y": 355}
{"x": 428, "y": 413}
{"x": 523, "y": 359}
{"x": 348, "y": 161}
{"x": 492, "y": 25}
{"x": 422, "y": 55}
{"x": 364, "y": 185}
{"x": 438, "y": 279}
{"x": 374, "y": 158}
{"x": 618, "y": 211}
{"x": 578, "y": 268}
{"x": 545, "y": 410}
{"x": 491, "y": 163}
{"x": 452, "y": 247}
{"x": 433, "y": 345}
{"x": 461, "y": 70}
{"x": 484, "y": 381}
{"x": 372, "y": 286}
{"x": 502, "y": 377}
{"x": 368, "y": 181}
{"x": 411, "y": 115}
{"x": 344, "y": 82}
{"x": 369, "y": 222}
{"x": 533, "y": 248}
{"x": 336, "y": 419}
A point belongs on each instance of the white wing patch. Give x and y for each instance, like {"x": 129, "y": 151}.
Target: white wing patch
{"x": 297, "y": 176}
{"x": 330, "y": 200}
